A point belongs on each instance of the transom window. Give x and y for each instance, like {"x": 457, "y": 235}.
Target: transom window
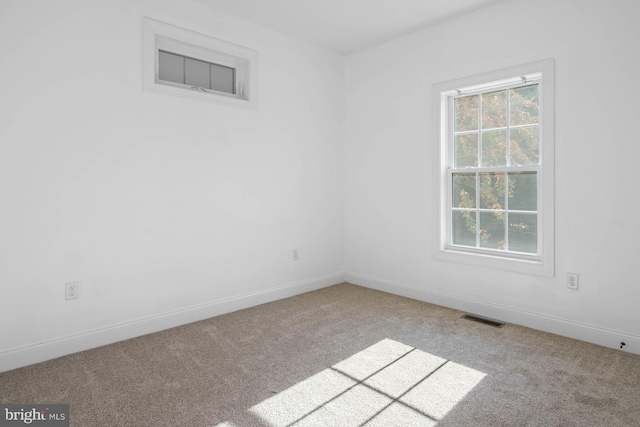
{"x": 184, "y": 63}
{"x": 496, "y": 172}
{"x": 196, "y": 73}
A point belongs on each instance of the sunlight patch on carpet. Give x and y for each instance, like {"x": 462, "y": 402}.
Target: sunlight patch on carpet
{"x": 387, "y": 384}
{"x": 370, "y": 360}
{"x": 302, "y": 398}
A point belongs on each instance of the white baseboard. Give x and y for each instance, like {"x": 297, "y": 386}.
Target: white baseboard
{"x": 568, "y": 328}
{"x": 47, "y": 350}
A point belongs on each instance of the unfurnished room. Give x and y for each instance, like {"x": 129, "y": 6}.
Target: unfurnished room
{"x": 230, "y": 213}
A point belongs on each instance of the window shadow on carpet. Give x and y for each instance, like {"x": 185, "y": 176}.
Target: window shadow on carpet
{"x": 387, "y": 384}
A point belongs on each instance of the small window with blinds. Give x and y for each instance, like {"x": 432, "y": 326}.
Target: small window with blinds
{"x": 197, "y": 74}
{"x": 189, "y": 64}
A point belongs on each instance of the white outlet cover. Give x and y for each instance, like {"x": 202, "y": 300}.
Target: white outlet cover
{"x": 72, "y": 290}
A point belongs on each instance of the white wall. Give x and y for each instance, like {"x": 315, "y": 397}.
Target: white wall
{"x": 390, "y": 187}
{"x": 158, "y": 205}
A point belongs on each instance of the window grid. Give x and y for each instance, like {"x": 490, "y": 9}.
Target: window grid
{"x": 507, "y": 172}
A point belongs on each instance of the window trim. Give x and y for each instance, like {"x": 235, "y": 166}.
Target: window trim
{"x": 159, "y": 36}
{"x": 543, "y": 264}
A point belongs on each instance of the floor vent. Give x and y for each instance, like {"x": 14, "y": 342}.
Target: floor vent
{"x": 486, "y": 321}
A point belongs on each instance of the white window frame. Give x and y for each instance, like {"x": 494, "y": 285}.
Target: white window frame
{"x": 443, "y": 93}
{"x": 162, "y": 36}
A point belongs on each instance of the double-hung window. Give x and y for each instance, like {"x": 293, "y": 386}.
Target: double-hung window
{"x": 496, "y": 169}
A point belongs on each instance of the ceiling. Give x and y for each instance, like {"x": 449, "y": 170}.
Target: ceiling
{"x": 346, "y": 26}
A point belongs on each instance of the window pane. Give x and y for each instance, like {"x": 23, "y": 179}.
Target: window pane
{"x": 525, "y": 147}
{"x": 494, "y": 148}
{"x": 464, "y": 228}
{"x": 492, "y": 230}
{"x": 464, "y": 190}
{"x": 466, "y": 112}
{"x": 466, "y": 150}
{"x": 492, "y": 191}
{"x": 196, "y": 73}
{"x": 523, "y": 233}
{"x": 170, "y": 67}
{"x": 524, "y": 105}
{"x": 494, "y": 109}
{"x": 523, "y": 191}
{"x": 222, "y": 78}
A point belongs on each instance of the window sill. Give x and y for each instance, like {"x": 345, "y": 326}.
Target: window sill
{"x": 525, "y": 266}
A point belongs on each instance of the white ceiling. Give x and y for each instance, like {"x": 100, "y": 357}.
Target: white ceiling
{"x": 345, "y": 26}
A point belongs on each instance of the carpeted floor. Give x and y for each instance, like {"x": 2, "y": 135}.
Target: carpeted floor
{"x": 343, "y": 355}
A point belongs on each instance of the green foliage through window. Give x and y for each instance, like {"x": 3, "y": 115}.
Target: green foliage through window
{"x": 496, "y": 153}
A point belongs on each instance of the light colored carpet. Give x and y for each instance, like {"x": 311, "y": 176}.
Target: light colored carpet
{"x": 343, "y": 355}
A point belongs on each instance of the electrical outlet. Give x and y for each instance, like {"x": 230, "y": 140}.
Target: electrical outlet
{"x": 72, "y": 290}
{"x": 572, "y": 281}
{"x": 295, "y": 255}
